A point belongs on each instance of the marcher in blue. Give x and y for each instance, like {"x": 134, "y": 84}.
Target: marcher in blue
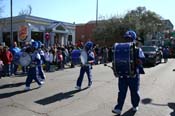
{"x": 86, "y": 67}
{"x": 33, "y": 71}
{"x": 132, "y": 82}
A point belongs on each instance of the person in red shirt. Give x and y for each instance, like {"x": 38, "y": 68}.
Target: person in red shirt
{"x": 7, "y": 60}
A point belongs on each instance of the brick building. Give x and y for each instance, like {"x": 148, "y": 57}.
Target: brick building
{"x": 84, "y": 32}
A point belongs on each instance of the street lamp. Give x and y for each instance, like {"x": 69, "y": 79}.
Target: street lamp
{"x": 96, "y": 12}
{"x": 11, "y": 16}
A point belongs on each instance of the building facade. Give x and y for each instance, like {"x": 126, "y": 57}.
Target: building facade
{"x": 84, "y": 32}
{"x": 25, "y": 28}
{"x": 168, "y": 25}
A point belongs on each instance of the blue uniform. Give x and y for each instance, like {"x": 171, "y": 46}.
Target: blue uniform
{"x": 33, "y": 71}
{"x": 86, "y": 68}
{"x": 133, "y": 83}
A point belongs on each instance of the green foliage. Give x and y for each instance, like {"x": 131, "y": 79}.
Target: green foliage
{"x": 140, "y": 20}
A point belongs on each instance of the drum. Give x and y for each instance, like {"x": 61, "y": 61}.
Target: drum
{"x": 25, "y": 59}
{"x": 75, "y": 57}
{"x": 124, "y": 59}
{"x": 83, "y": 57}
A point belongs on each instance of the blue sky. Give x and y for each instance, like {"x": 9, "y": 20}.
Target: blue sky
{"x": 82, "y": 11}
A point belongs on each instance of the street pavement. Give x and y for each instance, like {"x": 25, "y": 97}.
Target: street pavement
{"x": 58, "y": 97}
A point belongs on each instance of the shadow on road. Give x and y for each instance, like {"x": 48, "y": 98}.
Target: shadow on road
{"x": 6, "y": 95}
{"x": 58, "y": 97}
{"x": 12, "y": 85}
{"x": 170, "y": 105}
{"x": 149, "y": 101}
{"x": 146, "y": 101}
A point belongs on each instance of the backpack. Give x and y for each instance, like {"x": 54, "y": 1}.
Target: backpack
{"x": 124, "y": 59}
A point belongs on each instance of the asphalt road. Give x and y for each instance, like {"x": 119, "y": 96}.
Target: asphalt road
{"x": 59, "y": 98}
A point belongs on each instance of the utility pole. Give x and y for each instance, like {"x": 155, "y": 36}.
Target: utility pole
{"x": 97, "y": 13}
{"x": 11, "y": 23}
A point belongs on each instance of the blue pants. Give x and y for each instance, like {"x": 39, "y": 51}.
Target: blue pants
{"x": 133, "y": 84}
{"x": 84, "y": 69}
{"x": 32, "y": 75}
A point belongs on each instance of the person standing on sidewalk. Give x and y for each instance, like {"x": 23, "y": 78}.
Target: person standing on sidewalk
{"x": 7, "y": 60}
{"x": 15, "y": 50}
{"x": 87, "y": 67}
{"x": 1, "y": 67}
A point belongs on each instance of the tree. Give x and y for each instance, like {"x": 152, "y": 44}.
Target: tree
{"x": 140, "y": 20}
{"x": 144, "y": 22}
{"x": 27, "y": 11}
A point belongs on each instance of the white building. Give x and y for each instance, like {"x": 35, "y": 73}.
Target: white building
{"x": 26, "y": 27}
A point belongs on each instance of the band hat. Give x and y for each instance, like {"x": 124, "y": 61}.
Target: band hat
{"x": 130, "y": 35}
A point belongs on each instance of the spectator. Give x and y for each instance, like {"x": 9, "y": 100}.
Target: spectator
{"x": 7, "y": 60}
{"x": 60, "y": 59}
{"x": 15, "y": 51}
{"x": 1, "y": 67}
{"x": 165, "y": 54}
{"x": 47, "y": 60}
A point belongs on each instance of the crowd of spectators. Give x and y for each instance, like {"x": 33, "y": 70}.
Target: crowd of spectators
{"x": 55, "y": 58}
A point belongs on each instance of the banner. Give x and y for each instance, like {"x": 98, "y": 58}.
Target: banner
{"x": 23, "y": 33}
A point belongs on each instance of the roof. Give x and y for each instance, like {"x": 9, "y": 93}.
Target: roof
{"x": 29, "y": 17}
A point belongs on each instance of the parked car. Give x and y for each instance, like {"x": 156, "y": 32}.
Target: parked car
{"x": 153, "y": 55}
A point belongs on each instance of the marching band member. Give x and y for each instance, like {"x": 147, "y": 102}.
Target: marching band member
{"x": 33, "y": 71}
{"x": 87, "y": 67}
{"x": 131, "y": 82}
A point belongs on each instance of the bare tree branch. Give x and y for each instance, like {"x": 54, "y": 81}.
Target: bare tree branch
{"x": 27, "y": 11}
